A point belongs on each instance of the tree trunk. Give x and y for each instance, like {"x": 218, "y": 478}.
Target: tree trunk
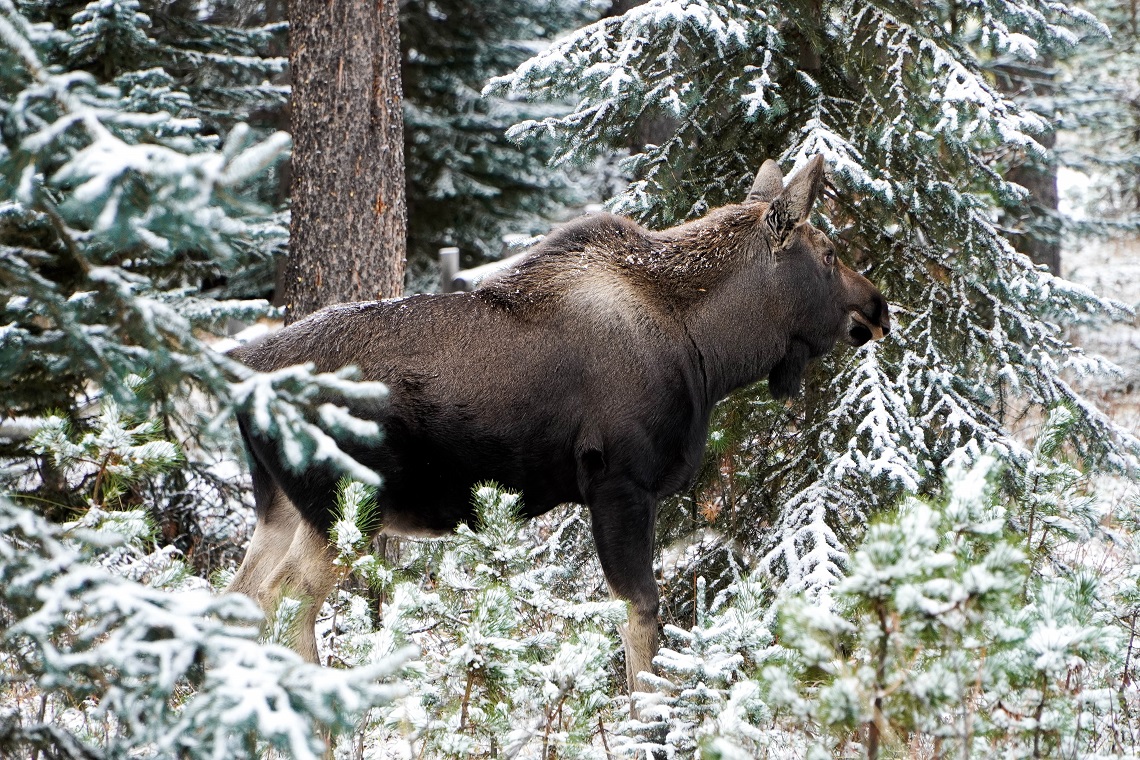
{"x": 349, "y": 215}
{"x": 1041, "y": 239}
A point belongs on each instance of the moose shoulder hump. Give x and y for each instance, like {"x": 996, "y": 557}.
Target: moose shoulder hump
{"x": 582, "y": 261}
{"x": 607, "y": 262}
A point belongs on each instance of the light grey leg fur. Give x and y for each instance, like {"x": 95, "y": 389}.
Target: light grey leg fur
{"x": 307, "y": 571}
{"x": 286, "y": 553}
{"x": 271, "y": 539}
{"x": 640, "y": 639}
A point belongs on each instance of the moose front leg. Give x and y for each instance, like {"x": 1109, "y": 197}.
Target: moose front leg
{"x": 622, "y": 518}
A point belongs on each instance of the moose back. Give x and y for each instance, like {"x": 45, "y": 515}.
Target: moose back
{"x": 586, "y": 374}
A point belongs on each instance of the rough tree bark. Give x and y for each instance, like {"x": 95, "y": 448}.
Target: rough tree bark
{"x": 1041, "y": 239}
{"x": 650, "y": 129}
{"x": 349, "y": 215}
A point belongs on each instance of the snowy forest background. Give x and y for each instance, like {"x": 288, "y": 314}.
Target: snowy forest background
{"x": 933, "y": 552}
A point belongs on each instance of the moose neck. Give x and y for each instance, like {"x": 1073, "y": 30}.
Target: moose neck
{"x": 738, "y": 331}
{"x": 737, "y": 322}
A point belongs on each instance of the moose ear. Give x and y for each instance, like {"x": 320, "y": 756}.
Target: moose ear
{"x": 768, "y": 185}
{"x": 794, "y": 204}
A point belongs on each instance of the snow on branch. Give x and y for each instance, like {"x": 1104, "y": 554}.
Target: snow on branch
{"x": 291, "y": 406}
{"x": 171, "y": 672}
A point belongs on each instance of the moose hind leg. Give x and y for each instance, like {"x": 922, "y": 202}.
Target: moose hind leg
{"x": 272, "y": 536}
{"x": 306, "y": 573}
{"x": 622, "y": 518}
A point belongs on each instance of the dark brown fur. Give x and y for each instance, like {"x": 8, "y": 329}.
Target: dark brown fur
{"x": 586, "y": 374}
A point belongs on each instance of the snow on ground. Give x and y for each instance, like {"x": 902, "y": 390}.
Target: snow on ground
{"x": 1111, "y": 268}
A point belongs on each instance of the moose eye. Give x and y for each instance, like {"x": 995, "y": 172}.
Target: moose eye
{"x": 829, "y": 258}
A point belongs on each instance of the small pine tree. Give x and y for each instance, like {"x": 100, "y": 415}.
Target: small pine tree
{"x": 112, "y": 458}
{"x": 704, "y": 691}
{"x": 1051, "y": 499}
{"x": 508, "y": 665}
{"x": 944, "y": 639}
{"x": 933, "y": 644}
{"x": 101, "y": 666}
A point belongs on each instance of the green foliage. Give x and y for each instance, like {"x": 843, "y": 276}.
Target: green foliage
{"x": 295, "y": 408}
{"x": 942, "y": 636}
{"x": 944, "y": 639}
{"x": 217, "y": 72}
{"x": 1054, "y": 508}
{"x": 100, "y": 666}
{"x": 358, "y": 518}
{"x": 704, "y": 694}
{"x": 901, "y": 101}
{"x": 468, "y": 185}
{"x": 132, "y": 208}
{"x": 281, "y": 624}
{"x": 116, "y": 453}
{"x": 508, "y": 664}
{"x": 115, "y": 206}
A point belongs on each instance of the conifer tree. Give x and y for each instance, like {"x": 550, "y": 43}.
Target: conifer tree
{"x": 704, "y": 690}
{"x": 117, "y": 207}
{"x": 120, "y": 668}
{"x": 945, "y": 639}
{"x": 945, "y": 633}
{"x": 120, "y": 206}
{"x": 915, "y": 134}
{"x": 516, "y": 654}
{"x": 468, "y": 185}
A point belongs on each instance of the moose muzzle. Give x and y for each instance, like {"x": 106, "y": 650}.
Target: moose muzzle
{"x": 863, "y": 328}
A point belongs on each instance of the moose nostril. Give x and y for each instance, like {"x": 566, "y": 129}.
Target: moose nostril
{"x": 879, "y": 314}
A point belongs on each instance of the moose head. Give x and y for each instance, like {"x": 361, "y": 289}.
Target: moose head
{"x": 824, "y": 299}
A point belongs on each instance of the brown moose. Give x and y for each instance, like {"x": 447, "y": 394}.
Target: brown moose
{"x": 586, "y": 374}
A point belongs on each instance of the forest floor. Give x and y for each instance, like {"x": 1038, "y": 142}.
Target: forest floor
{"x": 1111, "y": 269}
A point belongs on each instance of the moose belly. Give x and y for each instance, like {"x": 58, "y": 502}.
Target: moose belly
{"x": 428, "y": 479}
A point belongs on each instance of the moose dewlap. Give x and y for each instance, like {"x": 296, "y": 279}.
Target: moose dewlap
{"x": 585, "y": 374}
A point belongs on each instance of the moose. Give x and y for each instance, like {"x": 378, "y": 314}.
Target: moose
{"x": 587, "y": 374}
